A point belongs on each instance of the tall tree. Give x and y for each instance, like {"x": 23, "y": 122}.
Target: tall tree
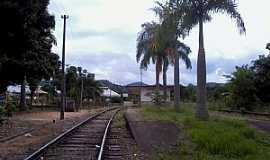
{"x": 242, "y": 88}
{"x": 261, "y": 68}
{"x": 172, "y": 29}
{"x": 197, "y": 12}
{"x": 92, "y": 88}
{"x": 148, "y": 48}
{"x": 182, "y": 52}
{"x": 27, "y": 41}
{"x": 164, "y": 74}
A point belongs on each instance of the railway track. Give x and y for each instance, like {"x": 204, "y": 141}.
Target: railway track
{"x": 120, "y": 144}
{"x": 84, "y": 141}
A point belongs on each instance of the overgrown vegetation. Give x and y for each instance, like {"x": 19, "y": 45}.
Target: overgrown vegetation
{"x": 2, "y": 113}
{"x": 216, "y": 139}
{"x": 157, "y": 98}
{"x": 26, "y": 41}
{"x": 76, "y": 78}
{"x": 249, "y": 86}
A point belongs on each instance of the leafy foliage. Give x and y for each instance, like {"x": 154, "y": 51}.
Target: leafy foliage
{"x": 26, "y": 42}
{"x": 92, "y": 88}
{"x": 157, "y": 98}
{"x": 261, "y": 68}
{"x": 216, "y": 139}
{"x": 242, "y": 88}
{"x": 2, "y": 113}
{"x": 249, "y": 85}
{"x": 75, "y": 76}
{"x": 197, "y": 12}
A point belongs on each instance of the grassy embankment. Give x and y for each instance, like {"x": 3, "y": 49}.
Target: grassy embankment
{"x": 216, "y": 139}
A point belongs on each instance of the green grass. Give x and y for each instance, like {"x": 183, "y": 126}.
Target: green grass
{"x": 216, "y": 139}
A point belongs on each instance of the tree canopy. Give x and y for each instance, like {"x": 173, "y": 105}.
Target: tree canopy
{"x": 26, "y": 40}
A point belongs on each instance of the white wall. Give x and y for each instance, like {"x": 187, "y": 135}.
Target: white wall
{"x": 146, "y": 92}
{"x": 108, "y": 92}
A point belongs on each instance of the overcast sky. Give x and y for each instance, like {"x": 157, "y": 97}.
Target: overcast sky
{"x": 101, "y": 37}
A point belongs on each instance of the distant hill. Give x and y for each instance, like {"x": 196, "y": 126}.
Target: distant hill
{"x": 117, "y": 88}
{"x": 214, "y": 85}
{"x": 136, "y": 84}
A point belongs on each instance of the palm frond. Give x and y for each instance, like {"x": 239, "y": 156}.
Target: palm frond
{"x": 268, "y": 46}
{"x": 184, "y": 51}
{"x": 229, "y": 7}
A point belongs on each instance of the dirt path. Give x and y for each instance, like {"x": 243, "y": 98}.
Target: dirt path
{"x": 152, "y": 136}
{"x": 260, "y": 125}
{"x": 45, "y": 126}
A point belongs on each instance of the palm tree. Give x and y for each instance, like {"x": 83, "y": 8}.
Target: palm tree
{"x": 164, "y": 73}
{"x": 174, "y": 49}
{"x": 197, "y": 12}
{"x": 92, "y": 88}
{"x": 148, "y": 48}
{"x": 268, "y": 46}
{"x": 182, "y": 53}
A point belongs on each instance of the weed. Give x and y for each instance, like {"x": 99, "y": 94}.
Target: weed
{"x": 216, "y": 139}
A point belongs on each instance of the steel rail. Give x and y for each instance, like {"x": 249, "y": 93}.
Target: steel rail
{"x": 36, "y": 154}
{"x": 105, "y": 136}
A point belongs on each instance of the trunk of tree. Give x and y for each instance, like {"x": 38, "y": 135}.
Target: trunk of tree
{"x": 23, "y": 99}
{"x": 176, "y": 84}
{"x": 202, "y": 111}
{"x": 94, "y": 97}
{"x": 157, "y": 77}
{"x": 3, "y": 86}
{"x": 33, "y": 88}
{"x": 165, "y": 81}
{"x": 31, "y": 98}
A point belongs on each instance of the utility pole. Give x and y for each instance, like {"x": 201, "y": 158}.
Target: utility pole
{"x": 110, "y": 97}
{"x": 81, "y": 98}
{"x": 63, "y": 96}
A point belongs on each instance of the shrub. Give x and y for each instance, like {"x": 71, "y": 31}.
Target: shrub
{"x": 242, "y": 89}
{"x": 10, "y": 108}
{"x": 2, "y": 112}
{"x": 157, "y": 98}
{"x": 116, "y": 100}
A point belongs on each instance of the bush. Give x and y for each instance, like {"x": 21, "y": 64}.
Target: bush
{"x": 2, "y": 112}
{"x": 157, "y": 98}
{"x": 242, "y": 89}
{"x": 116, "y": 100}
{"x": 10, "y": 108}
{"x": 216, "y": 139}
{"x": 229, "y": 139}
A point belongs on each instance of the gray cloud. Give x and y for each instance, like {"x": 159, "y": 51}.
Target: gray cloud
{"x": 123, "y": 69}
{"x": 114, "y": 33}
{"x": 101, "y": 36}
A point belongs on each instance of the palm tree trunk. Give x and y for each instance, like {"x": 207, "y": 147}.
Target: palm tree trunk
{"x": 31, "y": 98}
{"x": 23, "y": 95}
{"x": 165, "y": 80}
{"x": 157, "y": 77}
{"x": 202, "y": 111}
{"x": 176, "y": 84}
{"x": 94, "y": 97}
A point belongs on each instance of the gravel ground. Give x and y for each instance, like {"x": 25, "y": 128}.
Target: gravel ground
{"x": 128, "y": 147}
{"x": 152, "y": 137}
{"x": 43, "y": 129}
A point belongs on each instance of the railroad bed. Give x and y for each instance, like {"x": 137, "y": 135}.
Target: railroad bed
{"x": 120, "y": 144}
{"x": 83, "y": 141}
